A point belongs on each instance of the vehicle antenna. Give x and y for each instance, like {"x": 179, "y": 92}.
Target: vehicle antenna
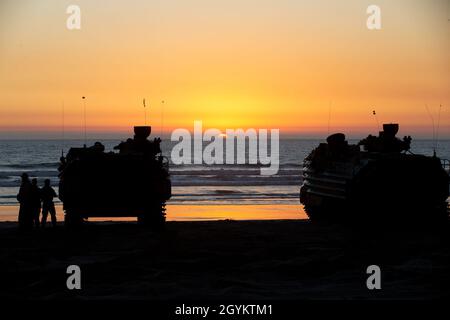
{"x": 84, "y": 120}
{"x": 63, "y": 129}
{"x": 162, "y": 117}
{"x": 145, "y": 112}
{"x": 329, "y": 116}
{"x": 376, "y": 118}
{"x": 434, "y": 129}
{"x": 438, "y": 125}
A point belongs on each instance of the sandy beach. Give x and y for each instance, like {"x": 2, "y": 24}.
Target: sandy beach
{"x": 272, "y": 259}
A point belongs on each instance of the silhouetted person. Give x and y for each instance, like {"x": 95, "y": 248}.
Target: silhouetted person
{"x": 24, "y": 198}
{"x": 35, "y": 199}
{"x": 62, "y": 163}
{"x": 47, "y": 195}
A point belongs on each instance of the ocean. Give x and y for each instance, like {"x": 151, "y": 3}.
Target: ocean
{"x": 210, "y": 185}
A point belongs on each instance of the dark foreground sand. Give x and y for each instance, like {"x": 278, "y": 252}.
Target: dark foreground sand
{"x": 224, "y": 260}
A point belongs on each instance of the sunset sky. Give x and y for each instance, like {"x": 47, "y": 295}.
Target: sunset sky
{"x": 232, "y": 64}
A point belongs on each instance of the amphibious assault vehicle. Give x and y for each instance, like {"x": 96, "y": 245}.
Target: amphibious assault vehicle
{"x": 376, "y": 179}
{"x": 133, "y": 182}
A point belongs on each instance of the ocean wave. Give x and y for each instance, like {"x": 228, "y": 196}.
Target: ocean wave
{"x": 235, "y": 196}
{"x": 7, "y": 196}
{"x": 227, "y": 192}
{"x": 291, "y": 164}
{"x": 234, "y": 183}
{"x": 36, "y": 173}
{"x": 32, "y": 165}
{"x": 240, "y": 173}
{"x": 201, "y": 167}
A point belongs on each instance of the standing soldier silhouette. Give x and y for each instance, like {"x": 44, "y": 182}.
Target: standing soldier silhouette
{"x": 35, "y": 198}
{"x": 24, "y": 197}
{"x": 47, "y": 195}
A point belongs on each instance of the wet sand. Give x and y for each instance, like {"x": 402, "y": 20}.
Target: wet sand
{"x": 187, "y": 212}
{"x": 272, "y": 259}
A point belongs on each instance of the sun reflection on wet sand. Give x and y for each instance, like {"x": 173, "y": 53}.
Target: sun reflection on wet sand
{"x": 198, "y": 213}
{"x": 235, "y": 212}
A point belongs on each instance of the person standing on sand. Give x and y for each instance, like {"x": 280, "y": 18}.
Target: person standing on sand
{"x": 47, "y": 195}
{"x": 24, "y": 197}
{"x": 35, "y": 198}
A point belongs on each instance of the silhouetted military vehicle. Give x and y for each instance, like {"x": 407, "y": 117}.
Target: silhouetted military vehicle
{"x": 377, "y": 179}
{"x": 134, "y": 182}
